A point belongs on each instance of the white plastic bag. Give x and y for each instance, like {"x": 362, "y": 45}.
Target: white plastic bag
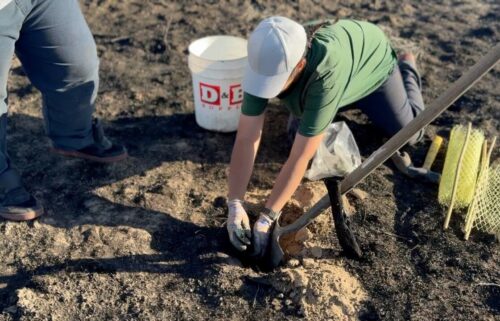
{"x": 337, "y": 155}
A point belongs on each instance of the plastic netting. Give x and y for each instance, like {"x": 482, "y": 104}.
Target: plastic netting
{"x": 485, "y": 208}
{"x": 467, "y": 169}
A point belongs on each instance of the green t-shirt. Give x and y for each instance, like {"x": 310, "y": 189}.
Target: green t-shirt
{"x": 346, "y": 61}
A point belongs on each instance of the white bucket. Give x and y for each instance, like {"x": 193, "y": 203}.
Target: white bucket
{"x": 217, "y": 64}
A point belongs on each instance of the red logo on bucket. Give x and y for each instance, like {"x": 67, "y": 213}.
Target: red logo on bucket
{"x": 235, "y": 94}
{"x": 209, "y": 94}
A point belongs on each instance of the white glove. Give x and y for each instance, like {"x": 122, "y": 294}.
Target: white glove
{"x": 261, "y": 234}
{"x": 238, "y": 225}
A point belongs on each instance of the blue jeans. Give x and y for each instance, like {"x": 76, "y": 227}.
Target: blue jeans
{"x": 58, "y": 53}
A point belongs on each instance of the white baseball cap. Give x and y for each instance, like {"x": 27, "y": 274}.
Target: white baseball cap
{"x": 275, "y": 47}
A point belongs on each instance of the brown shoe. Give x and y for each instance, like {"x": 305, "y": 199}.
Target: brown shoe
{"x": 93, "y": 153}
{"x": 19, "y": 205}
{"x": 102, "y": 150}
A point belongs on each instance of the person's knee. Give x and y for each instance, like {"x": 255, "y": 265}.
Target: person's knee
{"x": 79, "y": 65}
{"x": 85, "y": 69}
{"x": 76, "y": 71}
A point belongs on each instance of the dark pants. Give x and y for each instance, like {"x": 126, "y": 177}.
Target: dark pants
{"x": 392, "y": 106}
{"x": 58, "y": 53}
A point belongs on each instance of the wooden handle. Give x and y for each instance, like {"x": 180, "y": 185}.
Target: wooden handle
{"x": 433, "y": 151}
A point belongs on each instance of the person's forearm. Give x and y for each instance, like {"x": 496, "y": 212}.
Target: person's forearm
{"x": 240, "y": 168}
{"x": 288, "y": 180}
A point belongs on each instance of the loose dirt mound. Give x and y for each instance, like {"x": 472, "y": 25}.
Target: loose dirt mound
{"x": 315, "y": 288}
{"x": 320, "y": 290}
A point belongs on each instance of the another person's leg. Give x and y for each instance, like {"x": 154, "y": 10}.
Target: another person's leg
{"x": 59, "y": 55}
{"x": 16, "y": 203}
{"x": 397, "y": 101}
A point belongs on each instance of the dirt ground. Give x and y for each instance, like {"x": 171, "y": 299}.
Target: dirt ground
{"x": 145, "y": 239}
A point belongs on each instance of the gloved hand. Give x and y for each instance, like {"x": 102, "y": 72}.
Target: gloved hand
{"x": 238, "y": 225}
{"x": 262, "y": 232}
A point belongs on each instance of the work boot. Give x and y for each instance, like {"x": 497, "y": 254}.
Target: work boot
{"x": 102, "y": 150}
{"x": 19, "y": 205}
